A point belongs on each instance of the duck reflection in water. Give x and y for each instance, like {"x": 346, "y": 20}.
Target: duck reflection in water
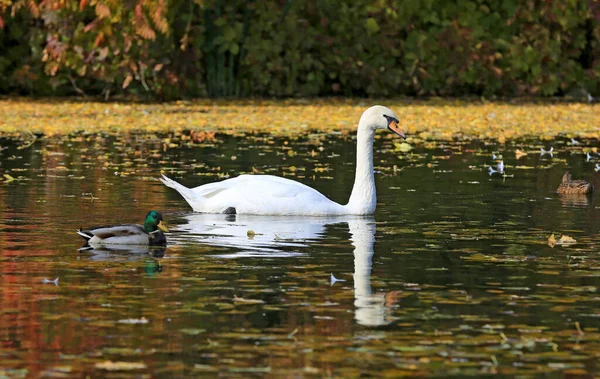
{"x": 127, "y": 253}
{"x": 569, "y": 201}
{"x": 285, "y": 237}
{"x": 122, "y": 252}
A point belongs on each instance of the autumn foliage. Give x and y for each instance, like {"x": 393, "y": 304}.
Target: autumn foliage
{"x": 184, "y": 48}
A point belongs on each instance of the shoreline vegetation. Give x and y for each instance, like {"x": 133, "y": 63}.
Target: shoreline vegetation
{"x": 433, "y": 119}
{"x": 178, "y": 49}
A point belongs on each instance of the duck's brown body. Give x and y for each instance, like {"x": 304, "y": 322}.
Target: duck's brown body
{"x": 569, "y": 186}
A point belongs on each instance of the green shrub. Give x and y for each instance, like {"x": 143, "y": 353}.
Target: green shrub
{"x": 184, "y": 48}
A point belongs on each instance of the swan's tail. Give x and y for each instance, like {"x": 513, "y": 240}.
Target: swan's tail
{"x": 85, "y": 234}
{"x": 192, "y": 198}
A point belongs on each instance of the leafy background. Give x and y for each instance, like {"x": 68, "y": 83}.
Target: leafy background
{"x": 169, "y": 49}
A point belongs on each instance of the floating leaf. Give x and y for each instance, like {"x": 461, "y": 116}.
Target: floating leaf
{"x": 520, "y": 153}
{"x": 192, "y": 332}
{"x": 247, "y": 301}
{"x": 403, "y": 147}
{"x": 566, "y": 240}
{"x": 120, "y": 366}
{"x": 142, "y": 320}
{"x": 563, "y": 240}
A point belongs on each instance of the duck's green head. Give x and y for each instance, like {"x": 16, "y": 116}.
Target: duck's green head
{"x": 153, "y": 222}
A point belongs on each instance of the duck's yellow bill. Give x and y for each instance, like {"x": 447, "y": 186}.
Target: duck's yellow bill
{"x": 163, "y": 227}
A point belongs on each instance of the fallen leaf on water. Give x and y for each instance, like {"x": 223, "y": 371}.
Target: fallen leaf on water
{"x": 333, "y": 279}
{"x": 403, "y": 147}
{"x": 47, "y": 281}
{"x": 520, "y": 153}
{"x": 142, "y": 320}
{"x": 566, "y": 240}
{"x": 191, "y": 331}
{"x": 251, "y": 233}
{"x": 116, "y": 366}
{"x": 247, "y": 301}
{"x": 563, "y": 240}
{"x": 427, "y": 120}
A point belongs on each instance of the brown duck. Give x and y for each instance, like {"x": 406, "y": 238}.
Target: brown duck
{"x": 569, "y": 186}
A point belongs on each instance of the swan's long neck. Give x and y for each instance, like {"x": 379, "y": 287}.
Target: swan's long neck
{"x": 363, "y": 198}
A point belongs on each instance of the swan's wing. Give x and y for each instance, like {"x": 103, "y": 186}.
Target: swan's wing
{"x": 262, "y": 194}
{"x": 267, "y": 185}
{"x": 256, "y": 185}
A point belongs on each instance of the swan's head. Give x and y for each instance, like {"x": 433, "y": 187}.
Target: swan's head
{"x": 380, "y": 117}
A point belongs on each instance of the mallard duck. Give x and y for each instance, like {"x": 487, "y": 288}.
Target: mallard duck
{"x": 149, "y": 234}
{"x": 272, "y": 195}
{"x": 569, "y": 186}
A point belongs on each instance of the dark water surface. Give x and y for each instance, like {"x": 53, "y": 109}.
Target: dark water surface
{"x": 453, "y": 275}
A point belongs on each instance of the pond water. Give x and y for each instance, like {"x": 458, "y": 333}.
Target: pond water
{"x": 453, "y": 275}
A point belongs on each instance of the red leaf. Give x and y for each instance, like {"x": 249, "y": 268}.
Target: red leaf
{"x": 90, "y": 26}
{"x": 127, "y": 81}
{"x": 33, "y": 8}
{"x": 99, "y": 39}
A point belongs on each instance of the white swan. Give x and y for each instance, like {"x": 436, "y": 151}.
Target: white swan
{"x": 272, "y": 195}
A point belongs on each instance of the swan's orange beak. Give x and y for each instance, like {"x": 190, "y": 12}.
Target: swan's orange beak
{"x": 393, "y": 126}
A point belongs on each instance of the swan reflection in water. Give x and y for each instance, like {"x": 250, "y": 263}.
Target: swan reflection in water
{"x": 252, "y": 236}
{"x": 276, "y": 236}
{"x": 371, "y": 309}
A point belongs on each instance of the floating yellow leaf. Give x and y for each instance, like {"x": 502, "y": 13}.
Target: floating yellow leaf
{"x": 403, "y": 147}
{"x": 247, "y": 301}
{"x": 120, "y": 366}
{"x": 551, "y": 240}
{"x": 142, "y": 320}
{"x": 566, "y": 240}
{"x": 520, "y": 153}
{"x": 434, "y": 119}
{"x": 563, "y": 240}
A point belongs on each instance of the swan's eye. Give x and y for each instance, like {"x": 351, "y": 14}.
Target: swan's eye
{"x": 390, "y": 119}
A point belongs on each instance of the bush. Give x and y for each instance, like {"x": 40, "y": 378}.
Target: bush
{"x": 184, "y": 48}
